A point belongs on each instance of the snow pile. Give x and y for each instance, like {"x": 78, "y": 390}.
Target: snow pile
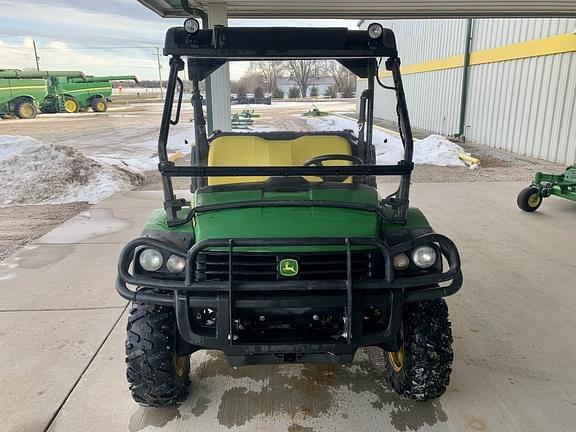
{"x": 433, "y": 150}
{"x": 437, "y": 150}
{"x": 32, "y": 172}
{"x": 143, "y": 155}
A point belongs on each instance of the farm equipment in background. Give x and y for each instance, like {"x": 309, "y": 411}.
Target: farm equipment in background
{"x": 24, "y": 93}
{"x": 545, "y": 185}
{"x": 72, "y": 94}
{"x": 244, "y": 119}
{"x": 314, "y": 112}
{"x": 241, "y": 100}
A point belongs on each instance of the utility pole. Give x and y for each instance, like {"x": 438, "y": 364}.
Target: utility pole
{"x": 36, "y": 55}
{"x": 160, "y": 72}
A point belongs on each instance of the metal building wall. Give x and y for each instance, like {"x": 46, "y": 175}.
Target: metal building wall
{"x": 433, "y": 98}
{"x": 527, "y": 106}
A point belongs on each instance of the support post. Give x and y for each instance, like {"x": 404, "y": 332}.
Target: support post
{"x": 465, "y": 74}
{"x": 36, "y": 55}
{"x": 160, "y": 72}
{"x": 219, "y": 89}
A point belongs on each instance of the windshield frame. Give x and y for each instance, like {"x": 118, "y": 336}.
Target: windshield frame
{"x": 208, "y": 51}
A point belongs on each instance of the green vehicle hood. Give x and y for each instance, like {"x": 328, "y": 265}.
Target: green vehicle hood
{"x": 288, "y": 222}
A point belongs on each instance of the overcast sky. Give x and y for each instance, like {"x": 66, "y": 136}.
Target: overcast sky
{"x": 99, "y": 37}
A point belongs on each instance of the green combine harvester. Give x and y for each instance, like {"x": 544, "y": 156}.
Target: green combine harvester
{"x": 21, "y": 92}
{"x": 71, "y": 94}
{"x": 24, "y": 93}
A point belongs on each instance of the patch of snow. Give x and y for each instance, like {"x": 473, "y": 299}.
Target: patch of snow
{"x": 143, "y": 156}
{"x": 437, "y": 150}
{"x": 32, "y": 172}
{"x": 433, "y": 150}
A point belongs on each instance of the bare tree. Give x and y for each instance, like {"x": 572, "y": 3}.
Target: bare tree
{"x": 270, "y": 72}
{"x": 303, "y": 71}
{"x": 342, "y": 77}
{"x": 249, "y": 82}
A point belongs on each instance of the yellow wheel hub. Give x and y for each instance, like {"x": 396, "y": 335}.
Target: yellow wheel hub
{"x": 27, "y": 111}
{"x": 70, "y": 106}
{"x": 534, "y": 200}
{"x": 100, "y": 106}
{"x": 397, "y": 359}
{"x": 180, "y": 365}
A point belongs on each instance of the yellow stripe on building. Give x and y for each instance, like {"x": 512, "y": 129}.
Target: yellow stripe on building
{"x": 559, "y": 44}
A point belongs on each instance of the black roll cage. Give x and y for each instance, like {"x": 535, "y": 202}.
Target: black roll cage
{"x": 208, "y": 50}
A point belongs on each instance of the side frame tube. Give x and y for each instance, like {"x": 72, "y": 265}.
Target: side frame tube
{"x": 403, "y": 195}
{"x": 170, "y": 204}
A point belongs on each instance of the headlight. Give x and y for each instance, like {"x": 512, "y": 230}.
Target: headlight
{"x": 424, "y": 256}
{"x": 191, "y": 26}
{"x": 151, "y": 260}
{"x": 401, "y": 261}
{"x": 176, "y": 264}
{"x": 375, "y": 30}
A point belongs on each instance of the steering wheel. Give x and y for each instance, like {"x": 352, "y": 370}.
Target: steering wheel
{"x": 319, "y": 161}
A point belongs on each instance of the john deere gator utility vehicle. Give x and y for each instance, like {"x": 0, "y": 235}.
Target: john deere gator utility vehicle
{"x": 287, "y": 254}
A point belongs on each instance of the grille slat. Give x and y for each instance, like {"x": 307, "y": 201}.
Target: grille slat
{"x": 264, "y": 266}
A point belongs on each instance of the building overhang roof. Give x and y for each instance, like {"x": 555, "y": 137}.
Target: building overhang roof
{"x": 371, "y": 9}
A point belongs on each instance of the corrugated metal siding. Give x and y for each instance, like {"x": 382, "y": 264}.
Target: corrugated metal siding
{"x": 491, "y": 33}
{"x": 432, "y": 98}
{"x": 423, "y": 40}
{"x": 527, "y": 106}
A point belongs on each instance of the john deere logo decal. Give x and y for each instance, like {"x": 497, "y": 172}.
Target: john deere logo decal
{"x": 288, "y": 267}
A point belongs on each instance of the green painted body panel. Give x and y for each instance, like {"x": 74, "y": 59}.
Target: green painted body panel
{"x": 11, "y": 89}
{"x": 562, "y": 185}
{"x": 26, "y": 74}
{"x": 347, "y": 195}
{"x": 82, "y": 92}
{"x": 158, "y": 221}
{"x": 106, "y": 78}
{"x": 49, "y": 88}
{"x": 288, "y": 222}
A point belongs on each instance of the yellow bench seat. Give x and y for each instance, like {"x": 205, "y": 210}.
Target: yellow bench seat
{"x": 250, "y": 150}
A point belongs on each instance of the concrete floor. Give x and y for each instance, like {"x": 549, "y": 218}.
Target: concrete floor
{"x": 62, "y": 330}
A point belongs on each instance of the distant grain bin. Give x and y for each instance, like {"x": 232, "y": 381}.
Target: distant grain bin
{"x": 506, "y": 83}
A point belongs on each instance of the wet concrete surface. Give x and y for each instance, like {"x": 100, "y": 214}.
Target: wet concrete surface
{"x": 513, "y": 326}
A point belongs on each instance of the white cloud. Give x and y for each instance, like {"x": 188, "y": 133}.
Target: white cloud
{"x": 66, "y": 32}
{"x": 57, "y": 55}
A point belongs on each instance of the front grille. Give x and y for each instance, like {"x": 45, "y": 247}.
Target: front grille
{"x": 213, "y": 266}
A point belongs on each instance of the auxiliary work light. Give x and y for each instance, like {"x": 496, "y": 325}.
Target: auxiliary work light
{"x": 191, "y": 26}
{"x": 375, "y": 30}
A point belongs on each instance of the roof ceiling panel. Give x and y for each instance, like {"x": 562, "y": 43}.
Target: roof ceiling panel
{"x": 366, "y": 9}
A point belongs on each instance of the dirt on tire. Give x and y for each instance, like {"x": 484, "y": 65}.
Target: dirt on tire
{"x": 428, "y": 355}
{"x": 153, "y": 377}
